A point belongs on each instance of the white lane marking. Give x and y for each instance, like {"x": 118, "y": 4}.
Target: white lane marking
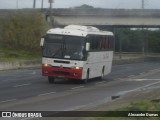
{"x": 22, "y": 85}
{"x": 131, "y": 76}
{"x": 33, "y": 73}
{"x": 154, "y": 70}
{"x": 151, "y": 84}
{"x": 46, "y": 93}
{"x": 139, "y": 79}
{"x": 153, "y": 87}
{"x": 139, "y": 88}
{"x": 7, "y": 101}
{"x": 100, "y": 82}
{"x": 120, "y": 78}
{"x": 77, "y": 87}
{"x": 145, "y": 79}
{"x": 142, "y": 73}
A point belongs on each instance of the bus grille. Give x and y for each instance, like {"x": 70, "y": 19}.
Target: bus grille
{"x": 61, "y": 73}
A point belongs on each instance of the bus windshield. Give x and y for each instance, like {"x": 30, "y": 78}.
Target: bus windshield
{"x": 64, "y": 47}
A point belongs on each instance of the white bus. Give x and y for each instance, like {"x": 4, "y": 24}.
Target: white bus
{"x": 76, "y": 52}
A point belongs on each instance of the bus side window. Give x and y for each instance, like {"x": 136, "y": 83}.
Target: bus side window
{"x": 94, "y": 42}
{"x": 107, "y": 42}
{"x": 100, "y": 42}
{"x": 112, "y": 42}
{"x": 91, "y": 42}
{"x": 89, "y": 39}
{"x": 104, "y": 42}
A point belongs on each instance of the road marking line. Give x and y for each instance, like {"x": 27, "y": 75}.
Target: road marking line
{"x": 140, "y": 79}
{"x": 33, "y": 73}
{"x": 77, "y": 87}
{"x": 154, "y": 70}
{"x": 142, "y": 88}
{"x": 121, "y": 78}
{"x": 131, "y": 76}
{"x": 144, "y": 79}
{"x": 151, "y": 84}
{"x": 22, "y": 85}
{"x": 100, "y": 82}
{"x": 8, "y": 100}
{"x": 142, "y": 73}
{"x": 46, "y": 93}
{"x": 153, "y": 87}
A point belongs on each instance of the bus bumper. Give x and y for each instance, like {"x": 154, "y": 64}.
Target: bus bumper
{"x": 57, "y": 72}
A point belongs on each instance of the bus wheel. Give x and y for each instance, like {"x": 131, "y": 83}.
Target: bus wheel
{"x": 87, "y": 78}
{"x": 102, "y": 74}
{"x": 51, "y": 80}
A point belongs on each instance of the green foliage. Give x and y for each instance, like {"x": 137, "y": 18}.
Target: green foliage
{"x": 23, "y": 31}
{"x": 136, "y": 106}
{"x": 137, "y": 40}
{"x": 141, "y": 106}
{"x": 154, "y": 41}
{"x": 84, "y": 6}
{"x": 10, "y": 54}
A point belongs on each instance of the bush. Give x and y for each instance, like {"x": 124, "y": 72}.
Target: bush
{"x": 23, "y": 31}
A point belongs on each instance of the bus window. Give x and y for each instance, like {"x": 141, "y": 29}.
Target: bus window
{"x": 100, "y": 42}
{"x": 94, "y": 42}
{"x": 104, "y": 42}
{"x": 107, "y": 42}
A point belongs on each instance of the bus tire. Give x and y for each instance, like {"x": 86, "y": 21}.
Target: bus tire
{"x": 51, "y": 80}
{"x": 87, "y": 77}
{"x": 102, "y": 74}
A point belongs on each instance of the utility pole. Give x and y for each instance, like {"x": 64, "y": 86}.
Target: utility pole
{"x": 51, "y": 15}
{"x": 17, "y": 7}
{"x": 42, "y": 5}
{"x": 142, "y": 4}
{"x": 34, "y": 3}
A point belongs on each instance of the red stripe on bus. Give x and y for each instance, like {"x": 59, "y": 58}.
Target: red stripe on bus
{"x": 62, "y": 72}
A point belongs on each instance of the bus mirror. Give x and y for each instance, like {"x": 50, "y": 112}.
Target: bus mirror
{"x": 87, "y": 46}
{"x": 42, "y": 42}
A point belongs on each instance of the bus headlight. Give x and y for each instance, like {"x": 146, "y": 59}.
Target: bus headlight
{"x": 76, "y": 67}
{"x": 46, "y": 65}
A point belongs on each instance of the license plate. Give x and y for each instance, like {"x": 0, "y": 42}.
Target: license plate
{"x": 60, "y": 76}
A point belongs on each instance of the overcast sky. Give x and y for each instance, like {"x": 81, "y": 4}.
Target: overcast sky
{"x": 128, "y": 4}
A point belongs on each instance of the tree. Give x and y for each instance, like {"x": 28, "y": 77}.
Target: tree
{"x": 23, "y": 31}
{"x": 84, "y": 6}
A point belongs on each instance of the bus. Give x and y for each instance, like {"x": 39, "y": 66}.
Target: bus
{"x": 76, "y": 52}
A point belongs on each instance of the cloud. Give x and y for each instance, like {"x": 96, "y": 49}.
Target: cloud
{"x": 150, "y": 4}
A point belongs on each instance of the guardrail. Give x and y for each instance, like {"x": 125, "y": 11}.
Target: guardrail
{"x": 125, "y": 59}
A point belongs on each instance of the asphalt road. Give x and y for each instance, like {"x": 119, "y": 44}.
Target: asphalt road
{"x": 27, "y": 90}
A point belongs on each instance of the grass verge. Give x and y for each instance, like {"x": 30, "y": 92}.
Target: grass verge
{"x": 12, "y": 55}
{"x": 146, "y": 105}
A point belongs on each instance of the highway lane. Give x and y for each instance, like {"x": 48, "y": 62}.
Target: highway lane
{"x": 28, "y": 90}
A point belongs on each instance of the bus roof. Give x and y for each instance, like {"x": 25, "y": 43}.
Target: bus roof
{"x": 78, "y": 30}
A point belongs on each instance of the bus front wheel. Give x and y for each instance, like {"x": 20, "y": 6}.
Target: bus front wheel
{"x": 51, "y": 80}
